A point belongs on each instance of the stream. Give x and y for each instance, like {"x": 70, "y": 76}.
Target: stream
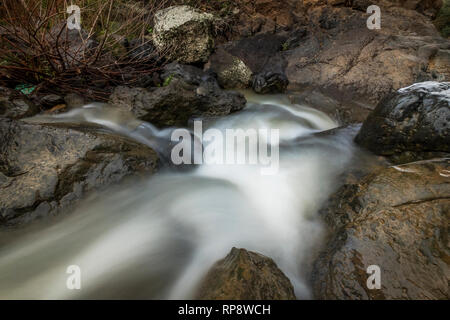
{"x": 156, "y": 239}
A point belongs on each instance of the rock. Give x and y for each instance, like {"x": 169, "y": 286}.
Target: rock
{"x": 46, "y": 169}
{"x": 232, "y": 72}
{"x": 189, "y": 74}
{"x": 410, "y": 124}
{"x": 395, "y": 218}
{"x": 439, "y": 65}
{"x": 184, "y": 33}
{"x": 269, "y": 82}
{"x": 141, "y": 50}
{"x": 188, "y": 93}
{"x": 429, "y": 8}
{"x": 15, "y": 105}
{"x": 267, "y": 16}
{"x": 327, "y": 46}
{"x": 245, "y": 275}
{"x": 74, "y": 101}
{"x": 236, "y": 62}
{"x": 341, "y": 56}
{"x": 345, "y": 112}
{"x": 51, "y": 100}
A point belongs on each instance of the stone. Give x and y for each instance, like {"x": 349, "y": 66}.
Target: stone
{"x": 15, "y": 105}
{"x": 188, "y": 93}
{"x": 397, "y": 219}
{"x": 245, "y": 275}
{"x": 47, "y": 169}
{"x": 411, "y": 124}
{"x": 184, "y": 33}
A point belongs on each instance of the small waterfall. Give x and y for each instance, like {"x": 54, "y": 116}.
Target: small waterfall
{"x": 157, "y": 239}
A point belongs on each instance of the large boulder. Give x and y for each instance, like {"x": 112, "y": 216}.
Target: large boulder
{"x": 397, "y": 219}
{"x": 410, "y": 124}
{"x": 326, "y": 46}
{"x": 44, "y": 170}
{"x": 245, "y": 275}
{"x": 187, "y": 93}
{"x": 184, "y": 33}
{"x": 342, "y": 56}
{"x": 15, "y": 105}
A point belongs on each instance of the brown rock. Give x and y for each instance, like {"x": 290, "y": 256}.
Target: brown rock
{"x": 245, "y": 275}
{"x": 342, "y": 56}
{"x": 396, "y": 218}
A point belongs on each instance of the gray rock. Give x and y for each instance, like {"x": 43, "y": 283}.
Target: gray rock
{"x": 184, "y": 33}
{"x": 236, "y": 62}
{"x": 410, "y": 124}
{"x": 15, "y": 105}
{"x": 270, "y": 82}
{"x": 46, "y": 169}
{"x": 51, "y": 100}
{"x": 188, "y": 93}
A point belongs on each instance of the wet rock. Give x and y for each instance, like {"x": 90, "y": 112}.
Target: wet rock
{"x": 184, "y": 33}
{"x": 51, "y": 100}
{"x": 73, "y": 101}
{"x": 395, "y": 218}
{"x": 46, "y": 169}
{"x": 270, "y": 82}
{"x": 344, "y": 112}
{"x": 187, "y": 93}
{"x": 245, "y": 275}
{"x": 410, "y": 124}
{"x": 15, "y": 105}
{"x": 236, "y": 62}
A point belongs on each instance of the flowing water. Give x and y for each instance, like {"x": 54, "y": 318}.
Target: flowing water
{"x": 158, "y": 238}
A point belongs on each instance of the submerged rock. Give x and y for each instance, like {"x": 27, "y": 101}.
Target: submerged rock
{"x": 245, "y": 275}
{"x": 397, "y": 219}
{"x": 188, "y": 93}
{"x": 15, "y": 105}
{"x": 184, "y": 33}
{"x": 412, "y": 123}
{"x": 46, "y": 169}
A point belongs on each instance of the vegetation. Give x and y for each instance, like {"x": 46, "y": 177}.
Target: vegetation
{"x": 37, "y": 51}
{"x": 442, "y": 21}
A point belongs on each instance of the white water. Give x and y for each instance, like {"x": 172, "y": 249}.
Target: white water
{"x": 158, "y": 238}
